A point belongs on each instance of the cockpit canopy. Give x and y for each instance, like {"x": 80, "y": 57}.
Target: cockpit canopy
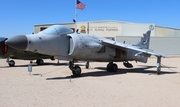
{"x": 57, "y": 30}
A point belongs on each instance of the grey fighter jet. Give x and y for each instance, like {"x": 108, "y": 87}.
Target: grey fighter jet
{"x": 61, "y": 41}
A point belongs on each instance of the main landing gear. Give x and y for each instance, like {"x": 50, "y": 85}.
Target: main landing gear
{"x": 39, "y": 62}
{"x": 76, "y": 70}
{"x": 112, "y": 67}
{"x": 158, "y": 65}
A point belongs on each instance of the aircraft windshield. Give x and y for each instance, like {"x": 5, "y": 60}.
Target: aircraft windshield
{"x": 57, "y": 29}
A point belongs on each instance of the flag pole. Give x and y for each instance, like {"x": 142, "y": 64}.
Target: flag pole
{"x": 75, "y": 15}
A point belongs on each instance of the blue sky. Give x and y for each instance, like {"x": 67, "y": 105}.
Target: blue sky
{"x": 20, "y": 16}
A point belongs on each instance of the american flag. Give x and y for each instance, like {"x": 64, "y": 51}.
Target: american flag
{"x": 80, "y": 5}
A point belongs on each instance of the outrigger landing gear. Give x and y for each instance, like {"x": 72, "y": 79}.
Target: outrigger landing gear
{"x": 87, "y": 65}
{"x": 76, "y": 70}
{"x": 127, "y": 64}
{"x": 112, "y": 67}
{"x": 158, "y": 65}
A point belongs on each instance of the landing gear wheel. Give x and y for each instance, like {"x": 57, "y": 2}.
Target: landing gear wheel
{"x": 11, "y": 63}
{"x": 52, "y": 58}
{"x": 108, "y": 67}
{"x": 158, "y": 65}
{"x": 111, "y": 67}
{"x": 76, "y": 71}
{"x": 158, "y": 70}
{"x": 114, "y": 68}
{"x": 39, "y": 62}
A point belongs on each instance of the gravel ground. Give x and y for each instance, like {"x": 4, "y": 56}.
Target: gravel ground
{"x": 51, "y": 85}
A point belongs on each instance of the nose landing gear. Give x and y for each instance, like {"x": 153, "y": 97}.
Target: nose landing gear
{"x": 76, "y": 70}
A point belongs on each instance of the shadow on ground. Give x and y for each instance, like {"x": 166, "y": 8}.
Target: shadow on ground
{"x": 143, "y": 69}
{"x": 35, "y": 65}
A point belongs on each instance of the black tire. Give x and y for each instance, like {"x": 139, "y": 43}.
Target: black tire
{"x": 40, "y": 62}
{"x": 108, "y": 67}
{"x": 114, "y": 68}
{"x": 76, "y": 71}
{"x": 158, "y": 70}
{"x": 87, "y": 66}
{"x": 52, "y": 58}
{"x": 11, "y": 63}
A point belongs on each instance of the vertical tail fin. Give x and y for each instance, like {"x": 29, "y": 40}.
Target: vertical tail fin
{"x": 144, "y": 42}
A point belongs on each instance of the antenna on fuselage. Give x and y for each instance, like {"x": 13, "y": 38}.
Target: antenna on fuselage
{"x": 77, "y": 30}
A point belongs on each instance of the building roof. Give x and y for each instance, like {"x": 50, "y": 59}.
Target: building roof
{"x": 102, "y": 21}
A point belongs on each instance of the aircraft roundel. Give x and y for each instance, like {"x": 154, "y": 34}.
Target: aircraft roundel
{"x": 80, "y": 45}
{"x": 151, "y": 27}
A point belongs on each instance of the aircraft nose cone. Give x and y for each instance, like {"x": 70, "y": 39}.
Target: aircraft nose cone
{"x": 17, "y": 42}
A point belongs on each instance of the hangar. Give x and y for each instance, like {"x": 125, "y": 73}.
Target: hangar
{"x": 163, "y": 39}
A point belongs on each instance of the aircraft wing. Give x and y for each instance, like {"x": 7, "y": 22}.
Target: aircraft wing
{"x": 122, "y": 46}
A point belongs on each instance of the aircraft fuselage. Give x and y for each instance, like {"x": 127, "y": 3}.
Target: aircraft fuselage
{"x": 77, "y": 46}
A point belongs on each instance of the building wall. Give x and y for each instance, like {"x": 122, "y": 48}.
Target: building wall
{"x": 105, "y": 28}
{"x": 167, "y": 32}
{"x": 115, "y": 28}
{"x": 136, "y": 29}
{"x": 165, "y": 45}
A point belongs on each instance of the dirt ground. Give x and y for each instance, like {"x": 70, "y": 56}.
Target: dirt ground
{"x": 51, "y": 85}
